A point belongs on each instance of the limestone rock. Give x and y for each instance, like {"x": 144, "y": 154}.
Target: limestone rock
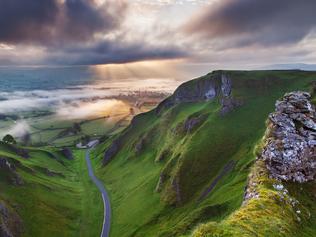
{"x": 228, "y": 104}
{"x": 290, "y": 151}
{"x": 226, "y": 85}
{"x": 215, "y": 85}
{"x": 9, "y": 170}
{"x": 10, "y": 222}
{"x": 192, "y": 123}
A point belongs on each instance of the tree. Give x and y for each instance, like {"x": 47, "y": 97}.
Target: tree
{"x": 9, "y": 139}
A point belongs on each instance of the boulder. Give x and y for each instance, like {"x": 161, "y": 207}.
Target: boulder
{"x": 290, "y": 150}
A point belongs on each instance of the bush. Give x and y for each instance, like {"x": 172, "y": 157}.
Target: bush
{"x": 9, "y": 139}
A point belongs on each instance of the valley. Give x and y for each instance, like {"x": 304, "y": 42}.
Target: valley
{"x": 54, "y": 192}
{"x": 166, "y": 172}
{"x": 165, "y": 162}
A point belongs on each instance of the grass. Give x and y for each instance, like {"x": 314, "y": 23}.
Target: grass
{"x": 273, "y": 213}
{"x": 194, "y": 159}
{"x": 63, "y": 205}
{"x": 68, "y": 204}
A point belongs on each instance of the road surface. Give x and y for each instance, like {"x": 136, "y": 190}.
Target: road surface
{"x": 106, "y": 200}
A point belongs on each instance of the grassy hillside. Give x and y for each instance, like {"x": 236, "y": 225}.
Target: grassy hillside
{"x": 287, "y": 212}
{"x": 276, "y": 206}
{"x": 49, "y": 194}
{"x": 169, "y": 176}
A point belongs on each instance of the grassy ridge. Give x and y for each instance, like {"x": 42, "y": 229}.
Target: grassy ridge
{"x": 272, "y": 214}
{"x": 194, "y": 160}
{"x": 56, "y": 197}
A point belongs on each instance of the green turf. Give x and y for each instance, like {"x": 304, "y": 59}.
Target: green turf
{"x": 194, "y": 160}
{"x": 67, "y": 204}
{"x": 271, "y": 214}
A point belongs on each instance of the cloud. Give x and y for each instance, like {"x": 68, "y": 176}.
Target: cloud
{"x": 55, "y": 21}
{"x": 31, "y": 100}
{"x": 19, "y": 129}
{"x": 73, "y": 32}
{"x": 107, "y": 52}
{"x": 108, "y": 107}
{"x": 238, "y": 23}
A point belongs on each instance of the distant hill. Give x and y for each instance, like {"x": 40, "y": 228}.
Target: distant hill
{"x": 291, "y": 66}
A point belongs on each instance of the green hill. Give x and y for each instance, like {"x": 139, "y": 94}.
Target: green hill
{"x": 46, "y": 192}
{"x": 187, "y": 161}
{"x": 185, "y": 168}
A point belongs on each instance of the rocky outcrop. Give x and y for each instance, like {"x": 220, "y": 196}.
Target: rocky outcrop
{"x": 192, "y": 123}
{"x": 112, "y": 151}
{"x": 290, "y": 144}
{"x": 214, "y": 85}
{"x": 226, "y": 87}
{"x": 140, "y": 146}
{"x": 8, "y": 169}
{"x": 66, "y": 152}
{"x": 10, "y": 222}
{"x": 22, "y": 152}
{"x": 228, "y": 104}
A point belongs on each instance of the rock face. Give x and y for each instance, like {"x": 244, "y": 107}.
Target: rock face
{"x": 112, "y": 151}
{"x": 67, "y": 153}
{"x": 140, "y": 145}
{"x": 10, "y": 222}
{"x": 8, "y": 169}
{"x": 229, "y": 104}
{"x": 217, "y": 85}
{"x": 192, "y": 123}
{"x": 290, "y": 150}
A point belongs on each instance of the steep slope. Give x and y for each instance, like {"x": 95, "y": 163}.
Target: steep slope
{"x": 280, "y": 196}
{"x": 46, "y": 192}
{"x": 187, "y": 161}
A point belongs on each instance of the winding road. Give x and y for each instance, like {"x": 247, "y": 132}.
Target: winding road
{"x": 106, "y": 200}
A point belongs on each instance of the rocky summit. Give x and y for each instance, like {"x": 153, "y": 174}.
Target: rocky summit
{"x": 290, "y": 151}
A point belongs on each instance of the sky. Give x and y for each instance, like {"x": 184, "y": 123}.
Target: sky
{"x": 190, "y": 34}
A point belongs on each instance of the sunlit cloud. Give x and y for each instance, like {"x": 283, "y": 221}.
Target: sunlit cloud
{"x": 82, "y": 110}
{"x": 140, "y": 70}
{"x": 97, "y": 32}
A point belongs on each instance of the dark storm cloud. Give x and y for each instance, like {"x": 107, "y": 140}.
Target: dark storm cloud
{"x": 23, "y": 20}
{"x": 66, "y": 30}
{"x": 52, "y": 21}
{"x": 263, "y": 22}
{"x": 106, "y": 52}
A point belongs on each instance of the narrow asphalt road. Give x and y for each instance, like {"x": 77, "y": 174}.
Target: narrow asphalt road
{"x": 106, "y": 200}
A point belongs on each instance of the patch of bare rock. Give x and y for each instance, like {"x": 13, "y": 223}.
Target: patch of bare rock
{"x": 290, "y": 144}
